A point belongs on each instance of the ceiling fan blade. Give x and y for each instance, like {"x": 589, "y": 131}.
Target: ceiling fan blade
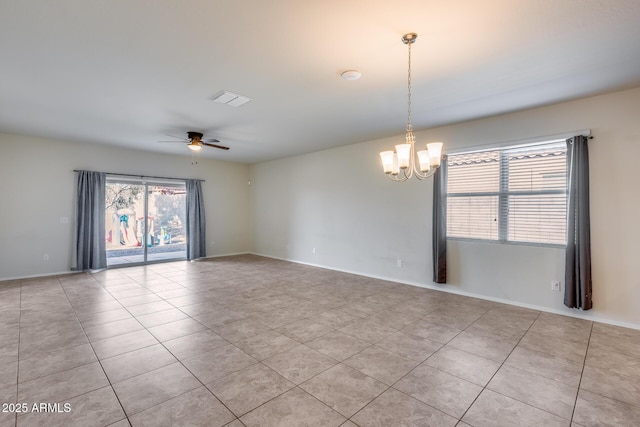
{"x": 182, "y": 138}
{"x": 179, "y": 142}
{"x": 212, "y": 140}
{"x": 222, "y": 147}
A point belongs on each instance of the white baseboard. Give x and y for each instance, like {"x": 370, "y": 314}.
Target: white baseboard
{"x": 224, "y": 255}
{"x": 578, "y": 315}
{"x": 33, "y": 276}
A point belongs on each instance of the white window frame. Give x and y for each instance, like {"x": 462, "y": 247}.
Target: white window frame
{"x": 503, "y": 195}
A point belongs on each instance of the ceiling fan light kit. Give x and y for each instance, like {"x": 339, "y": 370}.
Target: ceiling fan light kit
{"x": 195, "y": 143}
{"x": 404, "y": 163}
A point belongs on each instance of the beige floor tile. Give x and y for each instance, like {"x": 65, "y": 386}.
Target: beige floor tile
{"x": 127, "y": 365}
{"x": 394, "y": 408}
{"x": 432, "y": 331}
{"x": 195, "y": 408}
{"x": 344, "y": 389}
{"x": 194, "y": 344}
{"x": 593, "y": 410}
{"x": 622, "y": 340}
{"x": 219, "y": 317}
{"x": 177, "y": 329}
{"x": 299, "y": 364}
{"x": 360, "y": 309}
{"x": 493, "y": 329}
{"x": 491, "y": 347}
{"x": 218, "y": 362}
{"x": 334, "y": 318}
{"x": 63, "y": 385}
{"x": 50, "y": 343}
{"x": 95, "y": 319}
{"x": 280, "y": 317}
{"x": 240, "y": 329}
{"x": 152, "y": 307}
{"x": 337, "y": 345}
{"x": 293, "y": 409}
{"x": 241, "y": 295}
{"x": 112, "y": 329}
{"x": 570, "y": 350}
{"x": 123, "y": 343}
{"x": 369, "y": 330}
{"x": 604, "y": 357}
{"x": 161, "y": 317}
{"x": 450, "y": 394}
{"x": 396, "y": 319}
{"x": 96, "y": 408}
{"x": 144, "y": 391}
{"x": 410, "y": 346}
{"x": 265, "y": 345}
{"x": 381, "y": 364}
{"x": 304, "y": 330}
{"x": 609, "y": 384}
{"x": 8, "y": 374}
{"x": 492, "y": 409}
{"x": 562, "y": 328}
{"x": 454, "y": 318}
{"x": 44, "y": 330}
{"x": 546, "y": 365}
{"x": 543, "y": 393}
{"x": 470, "y": 367}
{"x": 249, "y": 388}
{"x": 56, "y": 361}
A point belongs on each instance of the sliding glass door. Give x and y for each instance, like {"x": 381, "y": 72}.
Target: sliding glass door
{"x": 145, "y": 221}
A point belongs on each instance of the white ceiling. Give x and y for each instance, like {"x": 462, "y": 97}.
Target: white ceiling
{"x": 127, "y": 72}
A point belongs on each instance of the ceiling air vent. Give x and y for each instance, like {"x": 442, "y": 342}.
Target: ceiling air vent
{"x": 230, "y": 98}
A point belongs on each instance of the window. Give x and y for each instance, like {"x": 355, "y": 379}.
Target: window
{"x": 515, "y": 194}
{"x": 144, "y": 221}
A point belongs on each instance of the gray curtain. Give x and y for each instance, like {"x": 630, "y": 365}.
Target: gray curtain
{"x": 89, "y": 252}
{"x": 439, "y": 234}
{"x": 577, "y": 292}
{"x": 196, "y": 227}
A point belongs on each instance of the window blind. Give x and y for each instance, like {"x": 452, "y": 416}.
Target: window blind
{"x": 512, "y": 195}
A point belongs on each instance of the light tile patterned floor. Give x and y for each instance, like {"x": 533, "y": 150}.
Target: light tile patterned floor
{"x": 252, "y": 341}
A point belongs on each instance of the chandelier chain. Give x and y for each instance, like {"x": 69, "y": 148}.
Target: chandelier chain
{"x": 409, "y": 126}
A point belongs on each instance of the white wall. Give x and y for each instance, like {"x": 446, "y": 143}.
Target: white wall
{"x": 37, "y": 185}
{"x": 340, "y": 202}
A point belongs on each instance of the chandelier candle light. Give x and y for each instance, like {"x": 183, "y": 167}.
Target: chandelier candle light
{"x": 404, "y": 158}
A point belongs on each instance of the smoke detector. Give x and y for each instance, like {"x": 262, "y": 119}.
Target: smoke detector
{"x": 351, "y": 75}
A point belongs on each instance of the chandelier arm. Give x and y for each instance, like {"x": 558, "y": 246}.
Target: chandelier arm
{"x": 396, "y": 178}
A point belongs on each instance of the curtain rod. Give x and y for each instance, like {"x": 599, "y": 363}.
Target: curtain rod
{"x": 143, "y": 176}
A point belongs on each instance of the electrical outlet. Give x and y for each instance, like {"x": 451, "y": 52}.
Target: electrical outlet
{"x": 399, "y": 263}
{"x": 555, "y": 285}
{"x": 45, "y": 257}
{"x": 313, "y": 250}
{"x": 64, "y": 220}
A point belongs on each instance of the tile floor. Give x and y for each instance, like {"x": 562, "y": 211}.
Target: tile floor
{"x": 252, "y": 341}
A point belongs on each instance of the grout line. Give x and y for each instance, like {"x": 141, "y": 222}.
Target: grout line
{"x": 199, "y": 288}
{"x": 584, "y": 362}
{"x": 98, "y": 360}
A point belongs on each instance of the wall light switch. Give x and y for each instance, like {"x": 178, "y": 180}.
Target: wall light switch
{"x": 64, "y": 220}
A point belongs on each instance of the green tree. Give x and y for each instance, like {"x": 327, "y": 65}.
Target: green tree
{"x": 120, "y": 196}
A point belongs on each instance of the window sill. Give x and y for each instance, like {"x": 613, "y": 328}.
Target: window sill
{"x": 507, "y": 242}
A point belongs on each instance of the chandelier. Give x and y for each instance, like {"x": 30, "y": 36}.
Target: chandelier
{"x": 404, "y": 163}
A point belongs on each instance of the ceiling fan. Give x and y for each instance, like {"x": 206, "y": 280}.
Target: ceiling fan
{"x": 195, "y": 143}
